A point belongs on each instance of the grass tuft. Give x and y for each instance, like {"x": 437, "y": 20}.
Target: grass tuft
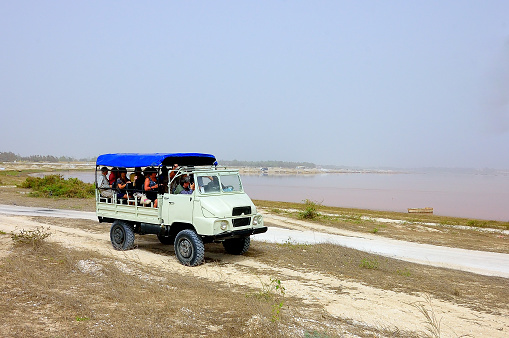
{"x": 477, "y": 223}
{"x": 274, "y": 293}
{"x": 431, "y": 321}
{"x": 369, "y": 264}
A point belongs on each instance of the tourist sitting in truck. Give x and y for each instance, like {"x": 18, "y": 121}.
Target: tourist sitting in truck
{"x": 104, "y": 185}
{"x": 114, "y": 175}
{"x": 174, "y": 183}
{"x": 212, "y": 185}
{"x": 180, "y": 187}
{"x": 162, "y": 180}
{"x": 139, "y": 179}
{"x": 187, "y": 186}
{"x": 151, "y": 185}
{"x": 122, "y": 183}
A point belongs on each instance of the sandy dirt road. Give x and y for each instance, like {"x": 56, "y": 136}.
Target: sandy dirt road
{"x": 283, "y": 229}
{"x": 355, "y": 301}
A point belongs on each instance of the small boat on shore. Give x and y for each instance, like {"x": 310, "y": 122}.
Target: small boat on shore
{"x": 420, "y": 210}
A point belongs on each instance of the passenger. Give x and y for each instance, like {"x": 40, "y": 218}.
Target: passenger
{"x": 187, "y": 186}
{"x": 213, "y": 185}
{"x": 104, "y": 184}
{"x": 179, "y": 187}
{"x": 139, "y": 179}
{"x": 122, "y": 183}
{"x": 113, "y": 177}
{"x": 151, "y": 185}
{"x": 174, "y": 183}
{"x": 162, "y": 179}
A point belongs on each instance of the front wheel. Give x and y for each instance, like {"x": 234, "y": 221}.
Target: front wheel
{"x": 189, "y": 248}
{"x": 122, "y": 235}
{"x": 237, "y": 246}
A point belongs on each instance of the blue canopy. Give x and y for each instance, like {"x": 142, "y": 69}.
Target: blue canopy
{"x": 131, "y": 160}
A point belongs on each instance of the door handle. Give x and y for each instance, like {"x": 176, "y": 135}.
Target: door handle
{"x": 171, "y": 203}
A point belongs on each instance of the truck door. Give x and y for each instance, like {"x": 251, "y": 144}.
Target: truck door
{"x": 180, "y": 208}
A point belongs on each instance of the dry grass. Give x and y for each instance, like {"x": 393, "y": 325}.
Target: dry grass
{"x": 60, "y": 292}
{"x": 52, "y": 291}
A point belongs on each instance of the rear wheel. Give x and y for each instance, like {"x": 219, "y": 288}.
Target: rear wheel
{"x": 122, "y": 235}
{"x": 189, "y": 248}
{"x": 237, "y": 246}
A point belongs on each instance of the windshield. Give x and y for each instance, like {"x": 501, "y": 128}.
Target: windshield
{"x": 219, "y": 183}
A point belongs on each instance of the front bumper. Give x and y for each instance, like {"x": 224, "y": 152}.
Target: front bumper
{"x": 238, "y": 233}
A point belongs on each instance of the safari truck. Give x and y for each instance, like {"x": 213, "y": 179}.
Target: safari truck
{"x": 217, "y": 210}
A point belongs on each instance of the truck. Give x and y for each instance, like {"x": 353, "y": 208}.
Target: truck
{"x": 217, "y": 210}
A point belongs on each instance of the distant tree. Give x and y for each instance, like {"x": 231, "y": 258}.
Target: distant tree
{"x": 11, "y": 157}
{"x": 8, "y": 157}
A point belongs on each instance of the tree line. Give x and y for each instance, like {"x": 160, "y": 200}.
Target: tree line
{"x": 262, "y": 164}
{"x": 11, "y": 157}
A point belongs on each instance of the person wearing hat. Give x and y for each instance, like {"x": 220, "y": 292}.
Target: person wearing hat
{"x": 184, "y": 179}
{"x": 139, "y": 179}
{"x": 187, "y": 186}
{"x": 104, "y": 184}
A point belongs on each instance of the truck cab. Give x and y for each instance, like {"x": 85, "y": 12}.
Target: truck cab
{"x": 197, "y": 202}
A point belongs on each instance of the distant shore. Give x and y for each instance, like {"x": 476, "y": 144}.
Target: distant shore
{"x": 85, "y": 166}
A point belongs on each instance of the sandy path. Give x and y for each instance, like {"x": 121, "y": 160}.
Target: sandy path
{"x": 365, "y": 304}
{"x": 481, "y": 262}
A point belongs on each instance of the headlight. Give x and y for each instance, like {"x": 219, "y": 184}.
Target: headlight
{"x": 224, "y": 225}
{"x": 257, "y": 220}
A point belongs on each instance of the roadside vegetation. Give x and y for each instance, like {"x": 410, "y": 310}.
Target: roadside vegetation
{"x": 58, "y": 186}
{"x": 330, "y": 215}
{"x": 430, "y": 229}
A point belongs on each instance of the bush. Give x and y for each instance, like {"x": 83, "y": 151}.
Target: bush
{"x": 57, "y": 186}
{"x": 31, "y": 237}
{"x": 309, "y": 211}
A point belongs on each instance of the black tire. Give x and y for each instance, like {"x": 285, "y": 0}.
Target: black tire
{"x": 189, "y": 248}
{"x": 166, "y": 240}
{"x": 237, "y": 246}
{"x": 122, "y": 235}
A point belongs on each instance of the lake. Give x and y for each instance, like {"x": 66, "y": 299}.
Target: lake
{"x": 460, "y": 195}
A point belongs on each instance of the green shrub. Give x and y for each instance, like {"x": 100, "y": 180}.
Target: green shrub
{"x": 309, "y": 211}
{"x": 57, "y": 186}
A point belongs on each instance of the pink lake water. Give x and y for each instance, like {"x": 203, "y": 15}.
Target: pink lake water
{"x": 463, "y": 195}
{"x": 459, "y": 195}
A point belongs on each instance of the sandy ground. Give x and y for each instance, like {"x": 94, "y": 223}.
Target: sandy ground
{"x": 345, "y": 299}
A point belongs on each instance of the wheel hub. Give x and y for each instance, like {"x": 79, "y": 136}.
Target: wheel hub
{"x": 118, "y": 235}
{"x": 185, "y": 248}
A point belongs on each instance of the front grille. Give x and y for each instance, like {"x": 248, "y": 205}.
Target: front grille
{"x": 237, "y": 211}
{"x": 240, "y": 222}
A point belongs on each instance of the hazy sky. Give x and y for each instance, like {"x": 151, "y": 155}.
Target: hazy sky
{"x": 357, "y": 83}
